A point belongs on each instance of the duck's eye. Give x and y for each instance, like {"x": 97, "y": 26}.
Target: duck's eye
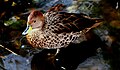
{"x": 34, "y": 21}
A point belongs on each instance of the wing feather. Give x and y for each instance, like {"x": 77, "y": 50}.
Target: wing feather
{"x": 59, "y": 22}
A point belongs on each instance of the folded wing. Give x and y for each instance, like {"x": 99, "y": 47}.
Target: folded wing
{"x": 59, "y": 22}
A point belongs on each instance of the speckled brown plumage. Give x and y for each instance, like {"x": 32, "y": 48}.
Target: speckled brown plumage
{"x": 50, "y": 40}
{"x": 56, "y": 29}
{"x": 59, "y": 22}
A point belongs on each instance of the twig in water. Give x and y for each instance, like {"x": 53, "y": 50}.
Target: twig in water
{"x": 8, "y": 50}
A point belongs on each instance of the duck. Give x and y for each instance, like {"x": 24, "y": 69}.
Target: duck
{"x": 56, "y": 29}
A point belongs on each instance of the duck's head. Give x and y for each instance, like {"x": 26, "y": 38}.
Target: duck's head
{"x": 35, "y": 20}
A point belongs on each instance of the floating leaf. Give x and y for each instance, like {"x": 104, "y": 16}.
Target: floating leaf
{"x": 13, "y": 4}
{"x": 6, "y": 0}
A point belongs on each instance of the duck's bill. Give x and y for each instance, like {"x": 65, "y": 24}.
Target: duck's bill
{"x": 27, "y": 30}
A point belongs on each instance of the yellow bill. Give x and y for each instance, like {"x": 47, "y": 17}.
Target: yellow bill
{"x": 27, "y": 30}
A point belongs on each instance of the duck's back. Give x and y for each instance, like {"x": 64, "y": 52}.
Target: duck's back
{"x": 59, "y": 22}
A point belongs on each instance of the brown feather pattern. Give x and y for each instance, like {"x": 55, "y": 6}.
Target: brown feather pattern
{"x": 60, "y": 29}
{"x": 59, "y": 22}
